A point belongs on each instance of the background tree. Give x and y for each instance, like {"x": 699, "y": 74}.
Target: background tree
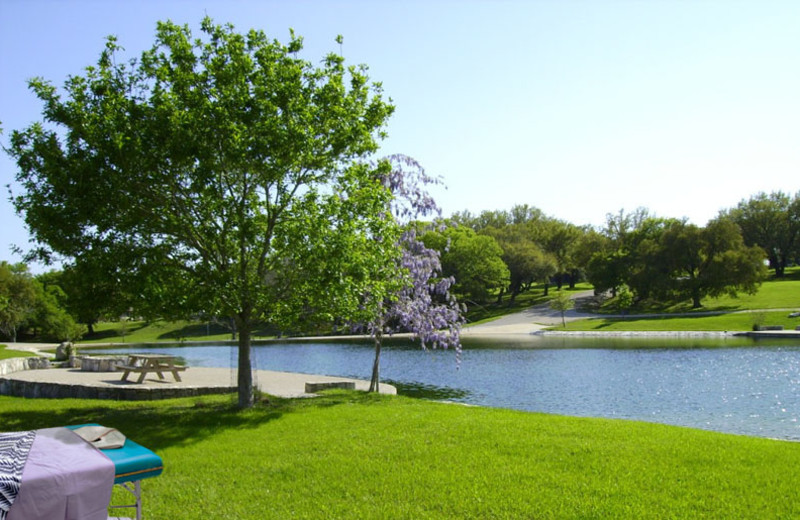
{"x": 49, "y": 317}
{"x": 525, "y": 260}
{"x": 771, "y": 222}
{"x": 562, "y": 302}
{"x": 560, "y": 239}
{"x": 94, "y": 289}
{"x": 710, "y": 261}
{"x": 17, "y": 298}
{"x": 474, "y": 261}
{"x": 229, "y": 174}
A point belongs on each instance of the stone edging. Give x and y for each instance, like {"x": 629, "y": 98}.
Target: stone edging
{"x": 37, "y": 389}
{"x": 18, "y": 364}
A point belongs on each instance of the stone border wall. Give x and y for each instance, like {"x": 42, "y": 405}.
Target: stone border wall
{"x": 37, "y": 389}
{"x": 18, "y": 364}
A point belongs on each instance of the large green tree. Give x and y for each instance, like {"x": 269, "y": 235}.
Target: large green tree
{"x": 225, "y": 173}
{"x": 709, "y": 261}
{"x": 17, "y": 297}
{"x": 474, "y": 261}
{"x": 771, "y": 222}
{"x": 526, "y": 261}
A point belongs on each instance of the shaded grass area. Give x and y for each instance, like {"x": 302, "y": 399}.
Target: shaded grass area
{"x": 7, "y": 352}
{"x": 740, "y": 321}
{"x": 167, "y": 331}
{"x": 353, "y": 455}
{"x": 774, "y": 293}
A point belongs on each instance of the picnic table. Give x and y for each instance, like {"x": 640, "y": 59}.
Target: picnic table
{"x": 144, "y": 364}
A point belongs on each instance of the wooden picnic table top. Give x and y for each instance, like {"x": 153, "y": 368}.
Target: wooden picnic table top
{"x": 161, "y": 357}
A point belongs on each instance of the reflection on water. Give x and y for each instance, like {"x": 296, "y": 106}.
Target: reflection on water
{"x": 731, "y": 385}
{"x": 426, "y": 391}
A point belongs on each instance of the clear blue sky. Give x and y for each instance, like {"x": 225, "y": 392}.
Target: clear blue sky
{"x": 580, "y": 108}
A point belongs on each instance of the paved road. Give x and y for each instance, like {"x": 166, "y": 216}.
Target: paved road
{"x": 530, "y": 320}
{"x": 542, "y": 316}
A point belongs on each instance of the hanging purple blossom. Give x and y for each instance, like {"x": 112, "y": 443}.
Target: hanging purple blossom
{"x": 424, "y": 305}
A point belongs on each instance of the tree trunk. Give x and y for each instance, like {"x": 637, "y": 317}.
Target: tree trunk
{"x": 696, "y": 300}
{"x": 245, "y": 372}
{"x": 374, "y": 383}
{"x": 500, "y": 296}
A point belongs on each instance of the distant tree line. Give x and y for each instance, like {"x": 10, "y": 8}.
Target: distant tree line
{"x": 635, "y": 256}
{"x": 497, "y": 253}
{"x": 34, "y": 304}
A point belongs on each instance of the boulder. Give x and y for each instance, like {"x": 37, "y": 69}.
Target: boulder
{"x": 63, "y": 351}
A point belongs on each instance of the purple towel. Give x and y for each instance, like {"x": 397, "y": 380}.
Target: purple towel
{"x": 65, "y": 478}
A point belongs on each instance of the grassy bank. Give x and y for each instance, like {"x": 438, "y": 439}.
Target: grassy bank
{"x": 739, "y": 321}
{"x": 350, "y": 455}
{"x": 7, "y": 352}
{"x": 162, "y": 331}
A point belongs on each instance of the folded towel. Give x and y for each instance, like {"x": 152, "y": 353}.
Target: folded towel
{"x": 101, "y": 437}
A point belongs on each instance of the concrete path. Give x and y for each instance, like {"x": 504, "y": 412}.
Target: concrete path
{"x": 528, "y": 321}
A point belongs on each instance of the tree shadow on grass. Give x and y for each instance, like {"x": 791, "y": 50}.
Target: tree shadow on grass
{"x": 115, "y": 332}
{"x": 199, "y": 330}
{"x": 178, "y": 422}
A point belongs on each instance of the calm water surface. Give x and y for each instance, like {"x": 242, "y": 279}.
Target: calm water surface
{"x": 732, "y": 385}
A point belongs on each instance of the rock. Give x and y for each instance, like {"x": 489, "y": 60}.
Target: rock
{"x": 63, "y": 351}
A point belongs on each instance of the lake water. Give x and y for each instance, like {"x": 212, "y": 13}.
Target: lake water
{"x": 732, "y": 385}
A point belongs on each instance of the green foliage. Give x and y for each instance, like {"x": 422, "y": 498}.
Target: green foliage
{"x": 670, "y": 260}
{"x": 771, "y": 222}
{"x": 526, "y": 261}
{"x": 34, "y": 304}
{"x": 17, "y": 297}
{"x": 562, "y": 302}
{"x": 350, "y": 455}
{"x": 475, "y": 261}
{"x": 624, "y": 299}
{"x": 220, "y": 174}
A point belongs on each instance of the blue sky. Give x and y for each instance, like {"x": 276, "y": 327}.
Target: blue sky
{"x": 580, "y": 108}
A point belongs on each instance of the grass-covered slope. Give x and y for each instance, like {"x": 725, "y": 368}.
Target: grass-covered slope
{"x": 350, "y": 455}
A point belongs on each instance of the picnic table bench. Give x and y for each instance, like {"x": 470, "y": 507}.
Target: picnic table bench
{"x": 144, "y": 364}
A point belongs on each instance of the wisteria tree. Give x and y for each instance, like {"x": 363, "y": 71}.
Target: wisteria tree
{"x": 422, "y": 304}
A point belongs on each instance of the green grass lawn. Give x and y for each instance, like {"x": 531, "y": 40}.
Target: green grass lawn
{"x": 160, "y": 330}
{"x": 743, "y": 321}
{"x": 774, "y": 293}
{"x": 353, "y": 455}
{"x": 6, "y": 352}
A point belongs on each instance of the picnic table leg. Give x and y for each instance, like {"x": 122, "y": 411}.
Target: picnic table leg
{"x": 125, "y": 375}
{"x": 141, "y": 376}
{"x": 176, "y": 376}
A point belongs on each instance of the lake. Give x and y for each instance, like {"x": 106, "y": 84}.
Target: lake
{"x": 734, "y": 385}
